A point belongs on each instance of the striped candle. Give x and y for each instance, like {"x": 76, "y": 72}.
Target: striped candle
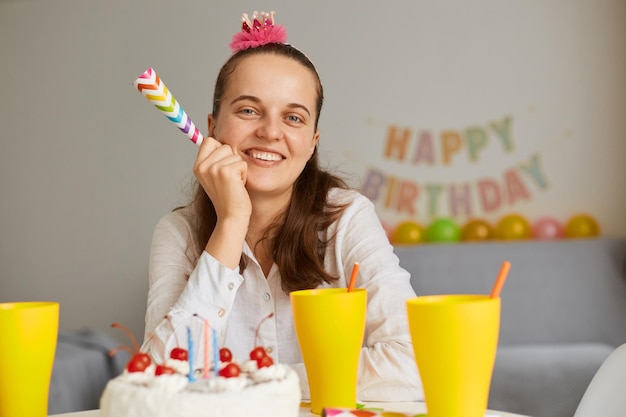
{"x": 216, "y": 353}
{"x": 154, "y": 89}
{"x": 205, "y": 362}
{"x": 190, "y": 355}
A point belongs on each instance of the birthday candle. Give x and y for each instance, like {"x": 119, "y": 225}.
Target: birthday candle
{"x": 205, "y": 368}
{"x": 154, "y": 89}
{"x": 216, "y": 353}
{"x": 190, "y": 354}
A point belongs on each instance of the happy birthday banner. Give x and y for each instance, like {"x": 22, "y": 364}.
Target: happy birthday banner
{"x": 501, "y": 190}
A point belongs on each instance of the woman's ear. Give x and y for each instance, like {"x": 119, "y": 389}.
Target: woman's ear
{"x": 210, "y": 125}
{"x": 316, "y": 142}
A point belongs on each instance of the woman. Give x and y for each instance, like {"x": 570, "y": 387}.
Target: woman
{"x": 266, "y": 220}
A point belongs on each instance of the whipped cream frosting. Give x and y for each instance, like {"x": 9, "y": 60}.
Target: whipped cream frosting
{"x": 250, "y": 375}
{"x": 266, "y": 392}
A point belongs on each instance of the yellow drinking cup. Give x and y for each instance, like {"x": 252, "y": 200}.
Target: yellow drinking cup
{"x": 329, "y": 323}
{"x": 455, "y": 338}
{"x": 28, "y": 338}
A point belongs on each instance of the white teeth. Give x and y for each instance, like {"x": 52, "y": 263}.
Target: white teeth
{"x": 265, "y": 156}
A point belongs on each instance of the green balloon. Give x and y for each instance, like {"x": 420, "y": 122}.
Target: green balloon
{"x": 443, "y": 230}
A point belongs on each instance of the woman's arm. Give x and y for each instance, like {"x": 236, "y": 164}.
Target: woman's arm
{"x": 387, "y": 370}
{"x": 186, "y": 293}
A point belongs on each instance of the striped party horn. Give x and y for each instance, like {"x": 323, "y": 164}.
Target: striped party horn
{"x": 154, "y": 89}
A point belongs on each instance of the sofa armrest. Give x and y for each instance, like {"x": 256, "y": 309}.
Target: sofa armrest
{"x": 81, "y": 370}
{"x": 544, "y": 380}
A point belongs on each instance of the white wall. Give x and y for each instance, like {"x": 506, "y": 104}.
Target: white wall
{"x": 87, "y": 166}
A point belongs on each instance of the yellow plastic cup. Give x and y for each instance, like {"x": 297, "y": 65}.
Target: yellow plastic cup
{"x": 329, "y": 323}
{"x": 28, "y": 339}
{"x": 455, "y": 338}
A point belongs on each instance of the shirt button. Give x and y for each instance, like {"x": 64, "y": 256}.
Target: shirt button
{"x": 266, "y": 296}
{"x": 231, "y": 286}
{"x": 269, "y": 349}
{"x": 221, "y": 312}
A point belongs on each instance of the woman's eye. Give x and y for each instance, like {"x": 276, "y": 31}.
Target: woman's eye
{"x": 294, "y": 119}
{"x": 247, "y": 111}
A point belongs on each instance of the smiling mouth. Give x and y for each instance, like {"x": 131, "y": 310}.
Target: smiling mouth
{"x": 264, "y": 156}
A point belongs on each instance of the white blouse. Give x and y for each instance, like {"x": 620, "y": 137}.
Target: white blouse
{"x": 234, "y": 304}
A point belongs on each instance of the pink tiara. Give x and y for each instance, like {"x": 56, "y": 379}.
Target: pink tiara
{"x": 260, "y": 31}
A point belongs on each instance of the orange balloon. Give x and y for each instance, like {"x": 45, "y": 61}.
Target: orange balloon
{"x": 513, "y": 227}
{"x": 477, "y": 230}
{"x": 582, "y": 225}
{"x": 408, "y": 233}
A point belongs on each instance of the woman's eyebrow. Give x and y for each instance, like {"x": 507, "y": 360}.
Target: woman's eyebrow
{"x": 244, "y": 97}
{"x": 299, "y": 106}
{"x": 255, "y": 99}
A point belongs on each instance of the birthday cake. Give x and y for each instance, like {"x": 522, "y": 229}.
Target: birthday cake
{"x": 256, "y": 387}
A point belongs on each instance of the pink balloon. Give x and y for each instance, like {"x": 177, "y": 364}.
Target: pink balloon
{"x": 547, "y": 228}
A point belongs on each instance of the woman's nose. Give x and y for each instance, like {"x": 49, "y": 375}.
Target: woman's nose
{"x": 269, "y": 128}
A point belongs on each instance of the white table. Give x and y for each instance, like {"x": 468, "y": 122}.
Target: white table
{"x": 403, "y": 407}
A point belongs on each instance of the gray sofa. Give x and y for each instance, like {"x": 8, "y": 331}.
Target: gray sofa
{"x": 81, "y": 370}
{"x": 563, "y": 312}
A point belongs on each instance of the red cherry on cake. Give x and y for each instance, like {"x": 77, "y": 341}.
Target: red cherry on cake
{"x": 258, "y": 353}
{"x": 179, "y": 354}
{"x": 265, "y": 361}
{"x": 226, "y": 355}
{"x": 230, "y": 371}
{"x": 139, "y": 362}
{"x": 163, "y": 370}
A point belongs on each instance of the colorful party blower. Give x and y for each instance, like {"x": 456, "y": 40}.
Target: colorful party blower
{"x": 154, "y": 89}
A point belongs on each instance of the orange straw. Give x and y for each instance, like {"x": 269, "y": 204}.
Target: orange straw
{"x": 355, "y": 272}
{"x": 497, "y": 287}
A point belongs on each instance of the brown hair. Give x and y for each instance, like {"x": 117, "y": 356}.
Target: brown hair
{"x": 298, "y": 245}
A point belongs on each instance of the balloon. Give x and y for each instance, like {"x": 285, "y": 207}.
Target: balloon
{"x": 476, "y": 230}
{"x": 513, "y": 227}
{"x": 443, "y": 230}
{"x": 582, "y": 225}
{"x": 547, "y": 228}
{"x": 408, "y": 233}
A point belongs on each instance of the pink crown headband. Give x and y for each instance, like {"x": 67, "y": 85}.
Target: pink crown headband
{"x": 260, "y": 31}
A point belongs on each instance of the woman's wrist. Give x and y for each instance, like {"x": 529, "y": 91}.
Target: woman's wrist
{"x": 226, "y": 241}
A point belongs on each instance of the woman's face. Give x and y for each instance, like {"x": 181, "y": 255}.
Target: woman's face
{"x": 267, "y": 115}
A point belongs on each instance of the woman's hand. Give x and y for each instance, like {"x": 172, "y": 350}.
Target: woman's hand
{"x": 222, "y": 174}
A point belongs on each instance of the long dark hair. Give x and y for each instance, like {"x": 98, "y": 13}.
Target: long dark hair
{"x": 298, "y": 235}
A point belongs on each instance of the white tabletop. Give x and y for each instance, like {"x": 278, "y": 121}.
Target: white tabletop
{"x": 411, "y": 408}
